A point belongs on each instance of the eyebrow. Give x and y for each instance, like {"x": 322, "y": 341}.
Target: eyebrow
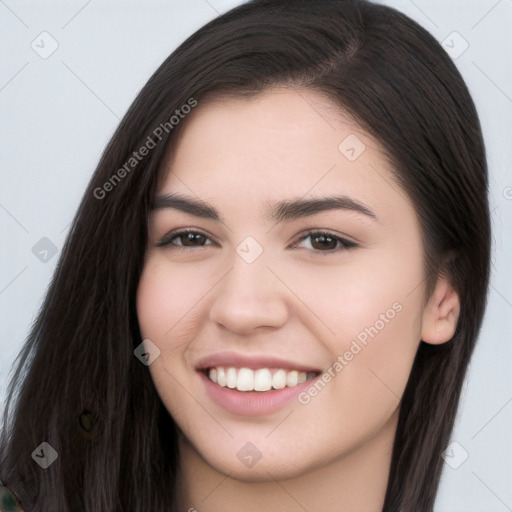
{"x": 278, "y": 212}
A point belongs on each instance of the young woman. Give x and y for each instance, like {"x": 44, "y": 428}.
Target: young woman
{"x": 274, "y": 283}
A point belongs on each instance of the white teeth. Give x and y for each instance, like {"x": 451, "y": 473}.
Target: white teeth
{"x": 245, "y": 380}
{"x": 231, "y": 378}
{"x": 262, "y": 379}
{"x": 221, "y": 376}
{"x": 291, "y": 378}
{"x": 279, "y": 379}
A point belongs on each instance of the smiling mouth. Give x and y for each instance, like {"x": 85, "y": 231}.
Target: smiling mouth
{"x": 261, "y": 379}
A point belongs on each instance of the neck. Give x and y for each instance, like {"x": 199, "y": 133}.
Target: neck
{"x": 354, "y": 482}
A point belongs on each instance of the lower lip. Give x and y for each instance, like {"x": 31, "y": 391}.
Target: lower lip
{"x": 252, "y": 403}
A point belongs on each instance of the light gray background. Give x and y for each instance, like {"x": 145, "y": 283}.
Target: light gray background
{"x": 58, "y": 113}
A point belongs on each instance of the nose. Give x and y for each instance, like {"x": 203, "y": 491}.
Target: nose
{"x": 249, "y": 297}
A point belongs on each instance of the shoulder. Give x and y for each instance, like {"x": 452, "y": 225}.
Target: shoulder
{"x": 8, "y": 501}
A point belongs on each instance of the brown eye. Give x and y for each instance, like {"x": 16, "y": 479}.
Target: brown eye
{"x": 184, "y": 239}
{"x": 191, "y": 239}
{"x": 325, "y": 242}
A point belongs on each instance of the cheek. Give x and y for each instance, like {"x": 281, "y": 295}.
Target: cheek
{"x": 166, "y": 296}
{"x": 379, "y": 326}
{"x": 375, "y": 372}
{"x": 384, "y": 351}
{"x": 150, "y": 303}
{"x": 373, "y": 308}
{"x": 165, "y": 308}
{"x": 353, "y": 294}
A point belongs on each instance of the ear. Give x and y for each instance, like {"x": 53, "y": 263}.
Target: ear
{"x": 439, "y": 319}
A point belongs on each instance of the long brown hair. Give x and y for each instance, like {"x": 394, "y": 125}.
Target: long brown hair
{"x": 77, "y": 384}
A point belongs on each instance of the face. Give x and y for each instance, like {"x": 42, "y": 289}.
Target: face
{"x": 287, "y": 324}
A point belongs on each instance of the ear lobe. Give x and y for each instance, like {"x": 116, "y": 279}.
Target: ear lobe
{"x": 441, "y": 314}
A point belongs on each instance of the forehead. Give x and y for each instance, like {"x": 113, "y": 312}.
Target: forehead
{"x": 267, "y": 126}
{"x": 282, "y": 143}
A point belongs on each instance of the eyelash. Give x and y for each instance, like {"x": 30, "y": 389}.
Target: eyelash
{"x": 344, "y": 243}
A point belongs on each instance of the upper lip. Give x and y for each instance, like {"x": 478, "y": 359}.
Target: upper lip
{"x": 233, "y": 359}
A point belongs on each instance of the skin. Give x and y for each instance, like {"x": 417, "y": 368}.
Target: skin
{"x": 298, "y": 301}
